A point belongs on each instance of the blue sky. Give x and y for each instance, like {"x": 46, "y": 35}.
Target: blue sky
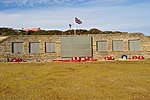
{"x": 106, "y": 15}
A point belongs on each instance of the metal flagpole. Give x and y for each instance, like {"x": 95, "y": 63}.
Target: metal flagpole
{"x": 74, "y": 26}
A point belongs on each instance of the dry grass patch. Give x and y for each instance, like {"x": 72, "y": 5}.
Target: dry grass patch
{"x": 117, "y": 80}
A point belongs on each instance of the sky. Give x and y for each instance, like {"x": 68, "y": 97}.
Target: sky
{"x": 106, "y": 15}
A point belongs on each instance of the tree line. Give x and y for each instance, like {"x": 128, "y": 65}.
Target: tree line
{"x": 11, "y": 31}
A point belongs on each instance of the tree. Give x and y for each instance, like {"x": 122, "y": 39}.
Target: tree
{"x": 94, "y": 31}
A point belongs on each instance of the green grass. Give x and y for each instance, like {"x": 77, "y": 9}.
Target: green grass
{"x": 116, "y": 80}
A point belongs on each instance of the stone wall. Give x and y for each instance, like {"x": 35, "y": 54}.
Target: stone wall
{"x": 144, "y": 42}
{"x": 6, "y": 46}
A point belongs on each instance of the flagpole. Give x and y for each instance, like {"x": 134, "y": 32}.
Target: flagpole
{"x": 74, "y": 26}
{"x": 78, "y": 21}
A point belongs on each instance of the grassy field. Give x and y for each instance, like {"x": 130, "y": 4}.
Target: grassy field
{"x": 116, "y": 80}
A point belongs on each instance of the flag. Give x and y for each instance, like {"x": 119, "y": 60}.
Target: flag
{"x": 78, "y": 21}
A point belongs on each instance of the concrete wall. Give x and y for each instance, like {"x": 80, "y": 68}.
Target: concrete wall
{"x": 6, "y": 46}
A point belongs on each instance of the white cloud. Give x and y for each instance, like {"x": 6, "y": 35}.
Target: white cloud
{"x": 37, "y": 3}
{"x": 42, "y": 3}
{"x": 116, "y": 18}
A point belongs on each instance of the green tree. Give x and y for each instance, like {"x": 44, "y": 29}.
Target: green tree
{"x": 94, "y": 31}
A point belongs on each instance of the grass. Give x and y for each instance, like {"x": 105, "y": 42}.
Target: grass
{"x": 117, "y": 80}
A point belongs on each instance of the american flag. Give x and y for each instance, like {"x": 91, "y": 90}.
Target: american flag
{"x": 78, "y": 20}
